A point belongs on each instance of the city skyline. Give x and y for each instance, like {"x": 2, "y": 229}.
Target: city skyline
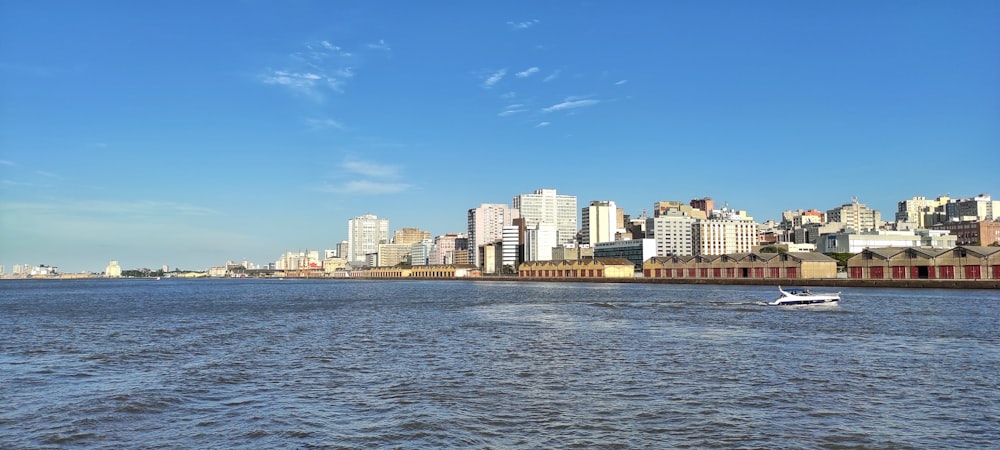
{"x": 172, "y": 134}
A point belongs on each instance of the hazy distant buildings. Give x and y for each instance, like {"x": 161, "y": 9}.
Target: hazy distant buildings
{"x": 556, "y": 211}
{"x": 113, "y": 270}
{"x": 364, "y": 234}
{"x": 485, "y": 226}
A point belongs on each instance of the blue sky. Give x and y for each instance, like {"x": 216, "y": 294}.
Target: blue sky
{"x": 189, "y": 133}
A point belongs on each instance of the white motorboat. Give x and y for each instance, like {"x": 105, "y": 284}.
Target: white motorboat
{"x": 805, "y": 297}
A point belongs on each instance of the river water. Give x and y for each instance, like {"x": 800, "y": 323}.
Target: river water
{"x": 460, "y": 364}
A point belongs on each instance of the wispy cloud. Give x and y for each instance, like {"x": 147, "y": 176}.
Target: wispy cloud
{"x": 370, "y": 178}
{"x": 370, "y": 169}
{"x": 380, "y": 45}
{"x": 543, "y": 124}
{"x": 309, "y": 84}
{"x": 571, "y": 104}
{"x": 4, "y": 162}
{"x": 324, "y": 124}
{"x": 522, "y": 24}
{"x": 512, "y": 109}
{"x": 552, "y": 76}
{"x": 527, "y": 72}
{"x": 494, "y": 78}
{"x": 318, "y": 69}
{"x": 373, "y": 187}
{"x": 620, "y": 82}
{"x": 116, "y": 209}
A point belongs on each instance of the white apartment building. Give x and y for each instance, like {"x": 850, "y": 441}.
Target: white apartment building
{"x": 539, "y": 240}
{"x": 364, "y": 234}
{"x": 672, "y": 232}
{"x": 856, "y": 216}
{"x": 599, "y": 222}
{"x": 725, "y": 232}
{"x": 546, "y": 206}
{"x": 486, "y": 226}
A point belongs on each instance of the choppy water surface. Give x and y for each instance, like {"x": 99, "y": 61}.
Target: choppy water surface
{"x": 354, "y": 364}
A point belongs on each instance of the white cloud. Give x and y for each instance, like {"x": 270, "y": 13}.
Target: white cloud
{"x": 510, "y": 112}
{"x": 365, "y": 187}
{"x": 4, "y": 162}
{"x": 318, "y": 69}
{"x": 552, "y": 76}
{"x": 571, "y": 104}
{"x": 370, "y": 169}
{"x": 527, "y": 72}
{"x": 323, "y": 124}
{"x": 620, "y": 82}
{"x": 543, "y": 124}
{"x": 494, "y": 78}
{"x": 380, "y": 45}
{"x": 523, "y": 24}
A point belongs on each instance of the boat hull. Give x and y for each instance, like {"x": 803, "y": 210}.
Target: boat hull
{"x": 794, "y": 298}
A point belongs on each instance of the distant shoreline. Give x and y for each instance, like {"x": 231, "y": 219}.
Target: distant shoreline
{"x": 823, "y": 282}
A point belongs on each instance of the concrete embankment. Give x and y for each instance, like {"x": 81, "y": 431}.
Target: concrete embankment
{"x": 832, "y": 282}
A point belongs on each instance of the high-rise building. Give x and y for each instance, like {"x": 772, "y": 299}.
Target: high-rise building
{"x": 486, "y": 224}
{"x": 539, "y": 242}
{"x": 409, "y": 236}
{"x": 724, "y": 232}
{"x": 342, "y": 248}
{"x": 546, "y": 206}
{"x": 511, "y": 247}
{"x": 600, "y": 221}
{"x": 364, "y": 234}
{"x": 420, "y": 252}
{"x": 856, "y": 216}
{"x": 672, "y": 233}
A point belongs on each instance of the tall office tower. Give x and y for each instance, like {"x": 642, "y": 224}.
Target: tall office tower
{"x": 510, "y": 249}
{"x": 600, "y": 221}
{"x": 364, "y": 234}
{"x": 420, "y": 252}
{"x": 410, "y": 236}
{"x": 539, "y": 241}
{"x": 856, "y": 216}
{"x": 486, "y": 224}
{"x": 723, "y": 233}
{"x": 672, "y": 233}
{"x": 545, "y": 206}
